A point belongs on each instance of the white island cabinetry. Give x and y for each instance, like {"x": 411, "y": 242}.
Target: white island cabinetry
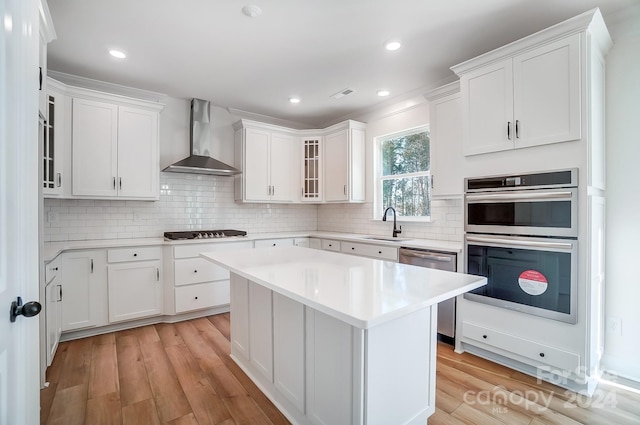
{"x": 316, "y": 331}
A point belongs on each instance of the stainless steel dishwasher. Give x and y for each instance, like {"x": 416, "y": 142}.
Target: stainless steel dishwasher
{"x": 441, "y": 261}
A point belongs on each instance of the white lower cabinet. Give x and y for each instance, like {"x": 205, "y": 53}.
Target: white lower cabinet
{"x": 53, "y": 310}
{"x": 264, "y": 243}
{"x": 373, "y": 251}
{"x": 135, "y": 290}
{"x": 83, "y": 275}
{"x": 135, "y": 283}
{"x": 288, "y": 349}
{"x": 194, "y": 283}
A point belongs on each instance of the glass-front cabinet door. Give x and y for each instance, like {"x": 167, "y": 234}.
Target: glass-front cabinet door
{"x": 311, "y": 187}
{"x": 51, "y": 161}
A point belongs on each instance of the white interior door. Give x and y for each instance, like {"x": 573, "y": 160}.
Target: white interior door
{"x": 19, "y": 182}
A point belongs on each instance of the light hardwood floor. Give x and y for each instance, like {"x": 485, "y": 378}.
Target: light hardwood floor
{"x": 181, "y": 374}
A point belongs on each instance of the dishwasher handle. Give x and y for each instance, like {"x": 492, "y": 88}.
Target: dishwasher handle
{"x": 433, "y": 257}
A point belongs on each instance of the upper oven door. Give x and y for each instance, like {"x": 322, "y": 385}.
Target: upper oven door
{"x": 535, "y": 212}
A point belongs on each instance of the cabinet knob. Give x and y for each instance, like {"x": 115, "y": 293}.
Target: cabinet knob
{"x": 541, "y": 354}
{"x": 379, "y": 252}
{"x": 353, "y": 248}
{"x": 55, "y": 269}
{"x": 195, "y": 298}
{"x": 274, "y": 244}
{"x": 135, "y": 254}
{"x": 484, "y": 336}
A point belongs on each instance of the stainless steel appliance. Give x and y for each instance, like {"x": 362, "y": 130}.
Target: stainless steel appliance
{"x": 441, "y": 261}
{"x": 521, "y": 234}
{"x": 204, "y": 234}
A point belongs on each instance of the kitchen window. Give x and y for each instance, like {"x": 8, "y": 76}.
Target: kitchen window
{"x": 403, "y": 174}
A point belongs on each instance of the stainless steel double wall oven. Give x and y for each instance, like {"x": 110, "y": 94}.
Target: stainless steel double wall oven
{"x": 521, "y": 233}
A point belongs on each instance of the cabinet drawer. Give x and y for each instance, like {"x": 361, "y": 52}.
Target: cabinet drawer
{"x": 197, "y": 270}
{"x": 194, "y": 250}
{"x": 51, "y": 270}
{"x": 330, "y": 245}
{"x": 203, "y": 295}
{"x": 374, "y": 251}
{"x": 540, "y": 353}
{"x": 264, "y": 243}
{"x": 142, "y": 253}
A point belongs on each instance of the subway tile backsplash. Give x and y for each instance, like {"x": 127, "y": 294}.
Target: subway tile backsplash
{"x": 187, "y": 201}
{"x": 445, "y": 224}
{"x": 190, "y": 201}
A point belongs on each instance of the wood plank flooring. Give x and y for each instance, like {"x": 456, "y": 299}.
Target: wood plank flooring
{"x": 181, "y": 374}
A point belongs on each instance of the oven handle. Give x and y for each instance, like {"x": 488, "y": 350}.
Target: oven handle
{"x": 536, "y": 195}
{"x": 532, "y": 244}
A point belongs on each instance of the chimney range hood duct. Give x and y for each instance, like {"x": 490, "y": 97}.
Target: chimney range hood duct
{"x": 200, "y": 160}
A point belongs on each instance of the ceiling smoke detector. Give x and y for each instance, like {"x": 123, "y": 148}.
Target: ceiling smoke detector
{"x": 342, "y": 93}
{"x": 252, "y": 11}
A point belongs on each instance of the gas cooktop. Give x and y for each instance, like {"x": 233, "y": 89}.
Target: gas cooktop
{"x": 203, "y": 234}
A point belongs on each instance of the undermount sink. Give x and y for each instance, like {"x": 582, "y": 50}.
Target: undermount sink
{"x": 385, "y": 238}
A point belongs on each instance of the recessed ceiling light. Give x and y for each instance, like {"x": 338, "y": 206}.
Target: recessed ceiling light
{"x": 294, "y": 99}
{"x": 392, "y": 45}
{"x": 383, "y": 93}
{"x": 117, "y": 54}
{"x": 252, "y": 11}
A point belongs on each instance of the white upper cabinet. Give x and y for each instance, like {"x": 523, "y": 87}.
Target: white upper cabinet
{"x": 95, "y": 148}
{"x": 54, "y": 178}
{"x": 115, "y": 150}
{"x": 522, "y": 99}
{"x": 138, "y": 164}
{"x": 268, "y": 164}
{"x": 445, "y": 112}
{"x": 344, "y": 164}
{"x": 280, "y": 164}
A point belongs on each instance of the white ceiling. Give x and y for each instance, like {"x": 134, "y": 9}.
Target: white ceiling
{"x": 307, "y": 48}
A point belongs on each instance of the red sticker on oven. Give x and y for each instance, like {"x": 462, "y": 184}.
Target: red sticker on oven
{"x": 532, "y": 282}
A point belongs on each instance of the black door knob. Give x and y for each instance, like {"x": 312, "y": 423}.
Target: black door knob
{"x": 30, "y": 309}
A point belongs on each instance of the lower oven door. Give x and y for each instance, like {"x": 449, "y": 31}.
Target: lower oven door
{"x": 532, "y": 275}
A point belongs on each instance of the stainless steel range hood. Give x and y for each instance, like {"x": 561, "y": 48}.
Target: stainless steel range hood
{"x": 200, "y": 160}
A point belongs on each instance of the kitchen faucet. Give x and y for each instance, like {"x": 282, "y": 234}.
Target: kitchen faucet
{"x": 396, "y": 232}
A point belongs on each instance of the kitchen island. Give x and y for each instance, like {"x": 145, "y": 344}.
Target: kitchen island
{"x": 337, "y": 339}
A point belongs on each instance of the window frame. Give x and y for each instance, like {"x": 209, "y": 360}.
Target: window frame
{"x": 378, "y": 178}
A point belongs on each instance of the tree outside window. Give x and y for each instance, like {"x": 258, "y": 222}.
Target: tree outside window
{"x": 405, "y": 173}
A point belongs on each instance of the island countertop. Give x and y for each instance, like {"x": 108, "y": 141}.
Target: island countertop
{"x": 360, "y": 291}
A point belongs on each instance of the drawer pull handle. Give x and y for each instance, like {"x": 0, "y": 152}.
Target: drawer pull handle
{"x": 541, "y": 354}
{"x": 484, "y": 336}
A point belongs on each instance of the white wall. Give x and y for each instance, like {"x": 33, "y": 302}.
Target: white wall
{"x": 446, "y": 215}
{"x": 623, "y": 196}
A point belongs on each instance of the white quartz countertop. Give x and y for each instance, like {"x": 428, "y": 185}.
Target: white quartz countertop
{"x": 52, "y": 249}
{"x": 360, "y": 291}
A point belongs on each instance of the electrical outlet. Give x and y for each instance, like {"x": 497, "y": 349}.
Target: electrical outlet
{"x": 614, "y": 326}
{"x": 52, "y": 216}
